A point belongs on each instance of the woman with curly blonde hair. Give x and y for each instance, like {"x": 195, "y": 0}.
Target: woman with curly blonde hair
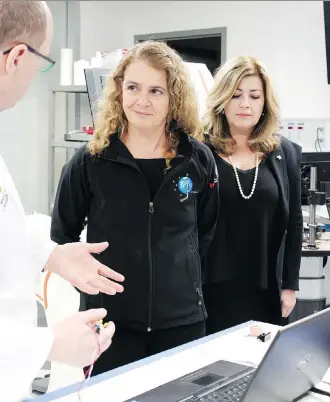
{"x": 148, "y": 188}
{"x": 253, "y": 262}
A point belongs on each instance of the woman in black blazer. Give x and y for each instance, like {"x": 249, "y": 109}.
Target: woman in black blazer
{"x": 252, "y": 268}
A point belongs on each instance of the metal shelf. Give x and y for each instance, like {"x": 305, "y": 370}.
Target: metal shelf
{"x": 78, "y": 89}
{"x": 68, "y": 144}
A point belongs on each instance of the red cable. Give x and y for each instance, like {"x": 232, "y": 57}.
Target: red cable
{"x": 88, "y": 371}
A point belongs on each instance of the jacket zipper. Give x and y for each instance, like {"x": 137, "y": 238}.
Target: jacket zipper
{"x": 199, "y": 293}
{"x": 151, "y": 264}
{"x": 151, "y": 212}
{"x": 201, "y": 302}
{"x": 151, "y": 288}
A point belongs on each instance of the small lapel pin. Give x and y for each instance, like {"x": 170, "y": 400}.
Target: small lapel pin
{"x": 279, "y": 157}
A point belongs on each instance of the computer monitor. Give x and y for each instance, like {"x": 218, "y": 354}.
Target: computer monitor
{"x": 320, "y": 160}
{"x": 95, "y": 80}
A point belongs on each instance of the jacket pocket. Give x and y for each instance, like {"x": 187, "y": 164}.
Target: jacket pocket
{"x": 197, "y": 282}
{"x": 197, "y": 262}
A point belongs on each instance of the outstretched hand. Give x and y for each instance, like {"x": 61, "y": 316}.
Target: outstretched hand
{"x": 74, "y": 263}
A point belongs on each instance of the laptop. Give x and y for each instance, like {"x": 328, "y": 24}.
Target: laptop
{"x": 296, "y": 360}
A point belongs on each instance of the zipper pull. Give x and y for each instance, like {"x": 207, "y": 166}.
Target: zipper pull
{"x": 200, "y": 303}
{"x": 151, "y": 207}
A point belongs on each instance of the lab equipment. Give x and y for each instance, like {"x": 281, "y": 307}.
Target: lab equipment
{"x": 66, "y": 66}
{"x": 315, "y": 182}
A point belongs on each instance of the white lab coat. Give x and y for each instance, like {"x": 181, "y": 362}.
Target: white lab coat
{"x": 23, "y": 253}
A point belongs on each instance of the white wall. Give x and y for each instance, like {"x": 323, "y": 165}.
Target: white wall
{"x": 24, "y": 129}
{"x": 288, "y": 36}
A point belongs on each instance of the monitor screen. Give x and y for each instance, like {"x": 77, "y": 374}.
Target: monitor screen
{"x": 95, "y": 80}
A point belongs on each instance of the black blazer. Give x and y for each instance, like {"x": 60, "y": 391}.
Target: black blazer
{"x": 288, "y": 233}
{"x": 285, "y": 162}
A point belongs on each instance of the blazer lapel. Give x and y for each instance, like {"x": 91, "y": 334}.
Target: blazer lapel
{"x": 278, "y": 165}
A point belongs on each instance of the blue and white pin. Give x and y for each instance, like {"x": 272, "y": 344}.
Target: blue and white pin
{"x": 185, "y": 186}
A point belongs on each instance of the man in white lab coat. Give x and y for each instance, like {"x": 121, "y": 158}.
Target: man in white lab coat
{"x": 25, "y": 38}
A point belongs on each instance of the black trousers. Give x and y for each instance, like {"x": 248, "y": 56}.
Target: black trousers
{"x": 129, "y": 345}
{"x": 229, "y": 304}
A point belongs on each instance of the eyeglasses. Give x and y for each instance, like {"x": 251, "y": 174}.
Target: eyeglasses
{"x": 49, "y": 63}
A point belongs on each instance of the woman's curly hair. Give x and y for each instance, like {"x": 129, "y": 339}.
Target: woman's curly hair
{"x": 183, "y": 106}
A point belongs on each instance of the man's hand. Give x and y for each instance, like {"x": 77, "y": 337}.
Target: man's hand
{"x": 288, "y": 301}
{"x": 74, "y": 262}
{"x": 75, "y": 341}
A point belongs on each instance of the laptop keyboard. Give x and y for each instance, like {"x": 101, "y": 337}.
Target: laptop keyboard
{"x": 230, "y": 393}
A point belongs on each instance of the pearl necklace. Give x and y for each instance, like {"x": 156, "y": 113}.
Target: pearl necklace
{"x": 246, "y": 197}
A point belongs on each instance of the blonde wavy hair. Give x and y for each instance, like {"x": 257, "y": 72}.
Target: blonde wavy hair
{"x": 264, "y": 138}
{"x": 183, "y": 107}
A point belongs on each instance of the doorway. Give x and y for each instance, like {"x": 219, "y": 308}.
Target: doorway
{"x": 206, "y": 46}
